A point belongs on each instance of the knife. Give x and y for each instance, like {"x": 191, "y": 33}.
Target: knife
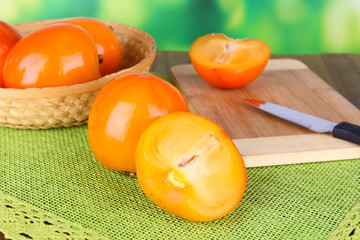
{"x": 343, "y": 130}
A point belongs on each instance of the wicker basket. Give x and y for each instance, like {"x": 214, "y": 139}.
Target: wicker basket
{"x": 67, "y": 106}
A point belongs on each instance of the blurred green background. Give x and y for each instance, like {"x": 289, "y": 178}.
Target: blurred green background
{"x": 288, "y": 26}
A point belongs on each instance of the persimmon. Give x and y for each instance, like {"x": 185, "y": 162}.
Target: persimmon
{"x": 52, "y": 56}
{"x": 107, "y": 44}
{"x": 121, "y": 112}
{"x": 228, "y": 63}
{"x": 9, "y": 36}
{"x": 188, "y": 166}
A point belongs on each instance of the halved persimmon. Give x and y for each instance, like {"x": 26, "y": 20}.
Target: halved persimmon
{"x": 107, "y": 44}
{"x": 52, "y": 56}
{"x": 228, "y": 63}
{"x": 121, "y": 112}
{"x": 9, "y": 36}
{"x": 188, "y": 166}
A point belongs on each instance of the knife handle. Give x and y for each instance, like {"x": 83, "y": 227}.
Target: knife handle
{"x": 347, "y": 131}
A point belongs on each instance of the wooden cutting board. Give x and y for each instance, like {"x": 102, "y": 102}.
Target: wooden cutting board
{"x": 261, "y": 138}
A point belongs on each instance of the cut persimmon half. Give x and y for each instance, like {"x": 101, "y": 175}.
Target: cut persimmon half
{"x": 228, "y": 63}
{"x": 188, "y": 166}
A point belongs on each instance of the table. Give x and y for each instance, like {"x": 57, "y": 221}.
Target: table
{"x": 341, "y": 71}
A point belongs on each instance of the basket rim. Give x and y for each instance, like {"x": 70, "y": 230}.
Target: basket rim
{"x": 34, "y": 93}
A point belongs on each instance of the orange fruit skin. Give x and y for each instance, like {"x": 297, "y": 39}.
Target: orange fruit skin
{"x": 228, "y": 63}
{"x": 188, "y": 166}
{"x": 122, "y": 111}
{"x": 9, "y": 36}
{"x": 52, "y": 56}
{"x": 106, "y": 42}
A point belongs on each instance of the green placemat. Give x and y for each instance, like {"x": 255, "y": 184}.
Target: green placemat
{"x": 55, "y": 170}
{"x": 20, "y": 220}
{"x": 349, "y": 228}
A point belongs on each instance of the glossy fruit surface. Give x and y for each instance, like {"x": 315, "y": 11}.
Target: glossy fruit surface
{"x": 9, "y": 36}
{"x": 121, "y": 112}
{"x": 56, "y": 55}
{"x": 188, "y": 166}
{"x": 228, "y": 63}
{"x": 107, "y": 44}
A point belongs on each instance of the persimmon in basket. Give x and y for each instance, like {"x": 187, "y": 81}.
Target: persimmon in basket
{"x": 107, "y": 44}
{"x": 228, "y": 63}
{"x": 9, "y": 36}
{"x": 122, "y": 110}
{"x": 52, "y": 56}
{"x": 189, "y": 167}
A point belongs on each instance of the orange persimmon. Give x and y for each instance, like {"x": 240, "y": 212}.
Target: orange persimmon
{"x": 52, "y": 56}
{"x": 121, "y": 112}
{"x": 9, "y": 36}
{"x": 188, "y": 166}
{"x": 107, "y": 44}
{"x": 228, "y": 63}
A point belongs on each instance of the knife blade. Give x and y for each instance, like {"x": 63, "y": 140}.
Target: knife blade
{"x": 343, "y": 130}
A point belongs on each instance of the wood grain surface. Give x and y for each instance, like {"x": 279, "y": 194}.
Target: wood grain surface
{"x": 287, "y": 82}
{"x": 284, "y": 81}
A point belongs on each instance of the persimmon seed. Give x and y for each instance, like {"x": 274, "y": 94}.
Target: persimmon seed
{"x": 188, "y": 161}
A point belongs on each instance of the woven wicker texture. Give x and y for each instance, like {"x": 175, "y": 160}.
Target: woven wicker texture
{"x": 55, "y": 170}
{"x": 69, "y": 106}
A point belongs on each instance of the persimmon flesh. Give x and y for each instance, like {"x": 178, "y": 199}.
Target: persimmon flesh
{"x": 188, "y": 166}
{"x": 121, "y": 112}
{"x": 228, "y": 63}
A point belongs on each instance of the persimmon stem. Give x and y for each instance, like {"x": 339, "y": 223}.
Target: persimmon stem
{"x": 100, "y": 59}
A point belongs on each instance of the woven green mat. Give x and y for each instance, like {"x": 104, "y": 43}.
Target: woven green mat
{"x": 21, "y": 220}
{"x": 349, "y": 228}
{"x": 54, "y": 170}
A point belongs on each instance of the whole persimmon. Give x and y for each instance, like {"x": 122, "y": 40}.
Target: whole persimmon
{"x": 52, "y": 56}
{"x": 228, "y": 63}
{"x": 122, "y": 110}
{"x": 9, "y": 36}
{"x": 107, "y": 44}
{"x": 188, "y": 166}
